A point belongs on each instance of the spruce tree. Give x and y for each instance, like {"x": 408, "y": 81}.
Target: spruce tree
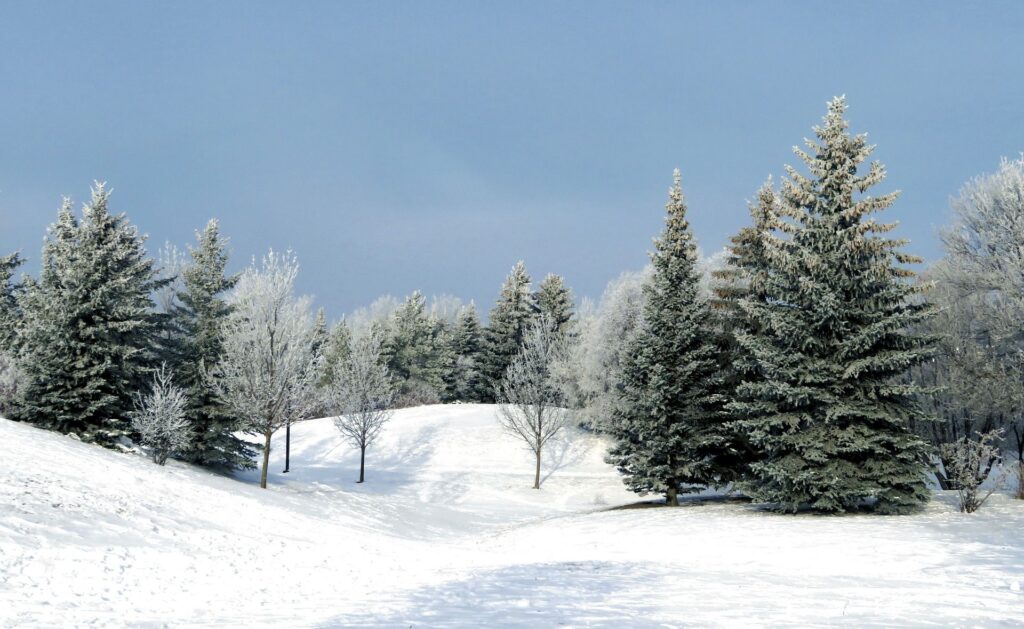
{"x": 465, "y": 382}
{"x": 669, "y": 431}
{"x": 554, "y": 300}
{"x": 829, "y": 340}
{"x": 90, "y": 330}
{"x": 10, "y": 315}
{"x": 336, "y": 351}
{"x": 512, "y": 314}
{"x": 200, "y": 317}
{"x": 413, "y": 350}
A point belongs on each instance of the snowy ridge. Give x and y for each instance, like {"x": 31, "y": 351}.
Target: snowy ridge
{"x": 446, "y": 532}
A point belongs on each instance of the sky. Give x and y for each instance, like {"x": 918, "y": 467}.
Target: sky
{"x": 397, "y": 146}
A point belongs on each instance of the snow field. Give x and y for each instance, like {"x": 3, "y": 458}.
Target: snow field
{"x": 446, "y": 532}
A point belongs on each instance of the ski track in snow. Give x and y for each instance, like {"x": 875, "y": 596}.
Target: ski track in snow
{"x": 446, "y": 532}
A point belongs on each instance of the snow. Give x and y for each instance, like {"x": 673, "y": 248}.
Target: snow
{"x": 447, "y": 532}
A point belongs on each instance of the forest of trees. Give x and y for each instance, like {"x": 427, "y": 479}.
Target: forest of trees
{"x": 809, "y": 366}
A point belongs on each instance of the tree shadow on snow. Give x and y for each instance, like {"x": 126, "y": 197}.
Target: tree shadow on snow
{"x": 530, "y": 595}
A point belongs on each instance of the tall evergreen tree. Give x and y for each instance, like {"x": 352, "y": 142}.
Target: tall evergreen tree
{"x": 413, "y": 350}
{"x": 89, "y": 333}
{"x": 10, "y": 315}
{"x": 465, "y": 383}
{"x": 511, "y": 316}
{"x": 200, "y": 318}
{"x": 825, "y": 411}
{"x": 336, "y": 350}
{"x": 669, "y": 432}
{"x": 554, "y": 300}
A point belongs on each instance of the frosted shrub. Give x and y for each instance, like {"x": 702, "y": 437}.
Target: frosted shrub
{"x": 968, "y": 464}
{"x": 160, "y": 420}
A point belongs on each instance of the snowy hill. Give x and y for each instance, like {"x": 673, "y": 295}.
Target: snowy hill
{"x": 447, "y": 532}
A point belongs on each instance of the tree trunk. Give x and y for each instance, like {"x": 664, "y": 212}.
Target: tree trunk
{"x": 287, "y": 445}
{"x": 672, "y": 496}
{"x": 536, "y": 476}
{"x": 266, "y": 460}
{"x": 362, "y": 463}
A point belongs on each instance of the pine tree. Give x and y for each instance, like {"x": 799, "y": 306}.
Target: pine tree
{"x": 669, "y": 432}
{"x": 554, "y": 300}
{"x": 10, "y": 316}
{"x": 336, "y": 351}
{"x": 89, "y": 329}
{"x": 512, "y": 314}
{"x": 412, "y": 349}
{"x": 829, "y": 340}
{"x": 199, "y": 318}
{"x": 465, "y": 383}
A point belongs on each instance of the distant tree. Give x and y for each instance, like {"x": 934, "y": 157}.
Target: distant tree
{"x": 200, "y": 311}
{"x": 669, "y": 432}
{"x": 554, "y": 300}
{"x": 597, "y": 359}
{"x": 530, "y": 402}
{"x": 984, "y": 273}
{"x": 465, "y": 381}
{"x": 828, "y": 417}
{"x": 90, "y": 330}
{"x": 10, "y": 314}
{"x": 512, "y": 314}
{"x": 360, "y": 396}
{"x": 336, "y": 350}
{"x": 160, "y": 418}
{"x": 270, "y": 369}
{"x": 414, "y": 348}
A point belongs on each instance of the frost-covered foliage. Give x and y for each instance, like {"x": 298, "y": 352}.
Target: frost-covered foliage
{"x": 360, "y": 395}
{"x": 968, "y": 462}
{"x": 11, "y": 383}
{"x": 554, "y": 301}
{"x": 89, "y": 330}
{"x": 597, "y": 358}
{"x": 464, "y": 381}
{"x": 983, "y": 276}
{"x": 160, "y": 418}
{"x": 10, "y": 313}
{"x": 530, "y": 401}
{"x": 669, "y": 430}
{"x": 513, "y": 313}
{"x": 364, "y": 320}
{"x": 417, "y": 350}
{"x": 828, "y": 419}
{"x": 171, "y": 265}
{"x": 270, "y": 366}
{"x": 199, "y": 317}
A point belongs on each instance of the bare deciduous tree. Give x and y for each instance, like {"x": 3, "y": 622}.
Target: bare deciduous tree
{"x": 985, "y": 268}
{"x": 271, "y": 363}
{"x": 361, "y": 394}
{"x": 159, "y": 418}
{"x": 968, "y": 463}
{"x": 530, "y": 400}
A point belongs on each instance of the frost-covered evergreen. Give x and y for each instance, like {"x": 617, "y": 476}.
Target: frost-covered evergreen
{"x": 90, "y": 330}
{"x": 669, "y": 431}
{"x": 415, "y": 352}
{"x": 512, "y": 314}
{"x": 10, "y": 315}
{"x": 825, "y": 412}
{"x": 465, "y": 381}
{"x": 200, "y": 310}
{"x": 554, "y": 300}
{"x": 336, "y": 350}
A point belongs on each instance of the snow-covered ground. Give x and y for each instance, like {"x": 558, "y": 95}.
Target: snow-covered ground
{"x": 447, "y": 532}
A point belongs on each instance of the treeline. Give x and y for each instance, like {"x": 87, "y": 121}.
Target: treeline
{"x": 807, "y": 366}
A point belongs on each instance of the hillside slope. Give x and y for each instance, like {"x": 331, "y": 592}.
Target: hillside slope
{"x": 447, "y": 532}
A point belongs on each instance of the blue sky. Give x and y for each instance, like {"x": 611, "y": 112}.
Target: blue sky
{"x": 430, "y": 145}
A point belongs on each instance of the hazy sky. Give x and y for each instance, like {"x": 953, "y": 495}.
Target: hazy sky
{"x": 430, "y": 145}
